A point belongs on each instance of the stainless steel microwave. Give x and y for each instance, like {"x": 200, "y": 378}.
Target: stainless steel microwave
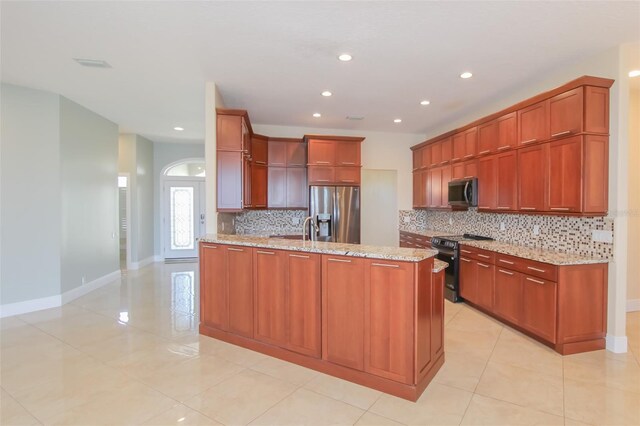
{"x": 463, "y": 192}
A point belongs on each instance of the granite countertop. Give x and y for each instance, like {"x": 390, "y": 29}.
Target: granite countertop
{"x": 439, "y": 265}
{"x": 430, "y": 233}
{"x": 540, "y": 255}
{"x": 355, "y": 250}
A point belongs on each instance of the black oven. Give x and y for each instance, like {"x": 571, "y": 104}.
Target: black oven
{"x": 450, "y": 273}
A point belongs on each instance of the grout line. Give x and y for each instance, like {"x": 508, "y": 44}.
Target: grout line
{"x": 23, "y": 407}
{"x": 488, "y": 359}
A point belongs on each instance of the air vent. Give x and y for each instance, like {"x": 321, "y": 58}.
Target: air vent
{"x": 355, "y": 117}
{"x": 93, "y": 63}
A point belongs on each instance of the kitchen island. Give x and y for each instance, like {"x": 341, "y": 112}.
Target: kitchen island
{"x": 371, "y": 315}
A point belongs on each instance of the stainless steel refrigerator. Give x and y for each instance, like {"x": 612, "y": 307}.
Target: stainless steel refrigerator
{"x": 335, "y": 211}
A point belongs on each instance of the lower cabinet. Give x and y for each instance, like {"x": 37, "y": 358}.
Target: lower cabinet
{"x": 468, "y": 280}
{"x": 270, "y": 291}
{"x": 240, "y": 290}
{"x": 484, "y": 284}
{"x": 508, "y": 295}
{"x": 303, "y": 303}
{"x": 539, "y": 310}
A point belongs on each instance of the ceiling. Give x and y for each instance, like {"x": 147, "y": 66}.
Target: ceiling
{"x": 274, "y": 58}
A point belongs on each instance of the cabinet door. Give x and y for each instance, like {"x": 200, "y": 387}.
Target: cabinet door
{"x": 459, "y": 147}
{"x": 343, "y": 311}
{"x": 457, "y": 171}
{"x": 347, "y": 175}
{"x": 436, "y": 153}
{"x": 470, "y": 169}
{"x": 565, "y": 113}
{"x": 297, "y": 188}
{"x": 539, "y": 307}
{"x": 487, "y": 184}
{"x": 247, "y": 180}
{"x": 229, "y": 133}
{"x": 533, "y": 123}
{"x": 487, "y": 137}
{"x": 347, "y": 154}
{"x": 304, "y": 303}
{"x": 435, "y": 185}
{"x": 230, "y": 180}
{"x": 508, "y": 295}
{"x": 484, "y": 285}
{"x": 565, "y": 175}
{"x": 506, "y": 180}
{"x": 445, "y": 177}
{"x": 447, "y": 151}
{"x": 321, "y": 175}
{"x": 277, "y": 184}
{"x": 259, "y": 180}
{"x": 471, "y": 142}
{"x": 417, "y": 159}
{"x": 270, "y": 293}
{"x": 321, "y": 152}
{"x": 426, "y": 156}
{"x": 417, "y": 189}
{"x": 507, "y": 131}
{"x": 214, "y": 307}
{"x": 240, "y": 290}
{"x": 259, "y": 151}
{"x": 389, "y": 289}
{"x": 425, "y": 176}
{"x": 596, "y": 110}
{"x": 296, "y": 154}
{"x": 277, "y": 153}
{"x": 468, "y": 279}
{"x": 532, "y": 178}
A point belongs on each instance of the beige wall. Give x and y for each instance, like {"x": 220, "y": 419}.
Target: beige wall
{"x": 633, "y": 274}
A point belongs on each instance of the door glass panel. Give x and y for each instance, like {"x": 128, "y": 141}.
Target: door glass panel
{"x": 183, "y": 292}
{"x": 181, "y": 218}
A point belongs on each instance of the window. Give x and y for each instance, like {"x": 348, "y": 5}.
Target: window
{"x": 191, "y": 169}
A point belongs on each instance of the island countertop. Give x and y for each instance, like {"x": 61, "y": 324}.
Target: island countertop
{"x": 355, "y": 250}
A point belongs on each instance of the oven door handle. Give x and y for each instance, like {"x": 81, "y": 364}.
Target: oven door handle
{"x": 447, "y": 252}
{"x": 466, "y": 196}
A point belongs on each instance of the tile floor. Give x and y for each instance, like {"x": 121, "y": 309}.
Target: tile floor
{"x": 129, "y": 353}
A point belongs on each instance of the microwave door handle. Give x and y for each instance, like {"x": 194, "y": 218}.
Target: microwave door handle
{"x": 466, "y": 195}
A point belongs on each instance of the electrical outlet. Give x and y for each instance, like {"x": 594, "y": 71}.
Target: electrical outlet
{"x": 450, "y": 221}
{"x": 602, "y": 236}
{"x": 295, "y": 221}
{"x": 84, "y": 279}
{"x": 536, "y": 229}
{"x": 503, "y": 227}
{"x": 406, "y": 219}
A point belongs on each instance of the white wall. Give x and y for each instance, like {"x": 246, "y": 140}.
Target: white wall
{"x": 213, "y": 100}
{"x": 633, "y": 269}
{"x": 89, "y": 174}
{"x": 127, "y": 164}
{"x": 30, "y": 215}
{"x": 163, "y": 155}
{"x": 144, "y": 196}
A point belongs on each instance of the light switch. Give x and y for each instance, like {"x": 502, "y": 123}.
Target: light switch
{"x": 536, "y": 229}
{"x": 406, "y": 219}
{"x": 295, "y": 221}
{"x": 502, "y": 226}
{"x": 602, "y": 236}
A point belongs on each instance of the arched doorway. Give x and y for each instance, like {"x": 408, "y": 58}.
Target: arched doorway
{"x": 183, "y": 208}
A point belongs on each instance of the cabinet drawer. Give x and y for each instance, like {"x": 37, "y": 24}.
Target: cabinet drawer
{"x": 322, "y": 175}
{"x": 347, "y": 175}
{"x": 529, "y": 267}
{"x": 477, "y": 254}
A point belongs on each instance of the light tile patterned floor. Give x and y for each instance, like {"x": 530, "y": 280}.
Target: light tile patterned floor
{"x": 129, "y": 353}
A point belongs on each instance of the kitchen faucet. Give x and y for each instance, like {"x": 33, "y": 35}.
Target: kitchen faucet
{"x": 304, "y": 228}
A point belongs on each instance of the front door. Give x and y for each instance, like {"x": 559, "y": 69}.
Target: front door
{"x": 183, "y": 222}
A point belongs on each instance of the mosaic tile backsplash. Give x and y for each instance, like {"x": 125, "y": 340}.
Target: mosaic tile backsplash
{"x": 266, "y": 222}
{"x": 560, "y": 233}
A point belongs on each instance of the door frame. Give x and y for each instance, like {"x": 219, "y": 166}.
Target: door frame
{"x": 163, "y": 210}
{"x": 128, "y": 217}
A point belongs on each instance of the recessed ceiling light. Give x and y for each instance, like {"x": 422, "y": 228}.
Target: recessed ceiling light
{"x": 326, "y": 93}
{"x": 94, "y": 63}
{"x": 178, "y": 128}
{"x": 466, "y": 74}
{"x": 397, "y": 120}
{"x": 425, "y": 102}
{"x": 345, "y": 57}
{"x": 317, "y": 115}
{"x": 634, "y": 73}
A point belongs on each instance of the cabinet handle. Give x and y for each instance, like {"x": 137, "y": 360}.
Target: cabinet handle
{"x": 236, "y": 249}
{"x": 529, "y": 141}
{"x": 528, "y": 208}
{"x": 464, "y": 260}
{"x": 265, "y": 252}
{"x": 535, "y": 281}
{"x": 504, "y": 147}
{"x": 465, "y": 251}
{"x": 560, "y": 208}
{"x": 484, "y": 207}
{"x": 505, "y": 261}
{"x": 348, "y": 163}
{"x": 505, "y": 272}
{"x": 209, "y": 247}
{"x": 322, "y": 180}
{"x": 483, "y": 265}
{"x": 469, "y": 155}
{"x": 467, "y": 177}
{"x": 386, "y": 265}
{"x": 484, "y": 255}
{"x": 485, "y": 151}
{"x": 347, "y": 180}
{"x": 535, "y": 269}
{"x": 444, "y": 162}
{"x": 299, "y": 255}
{"x": 455, "y": 159}
{"x": 503, "y": 208}
{"x": 322, "y": 162}
{"x": 261, "y": 162}
{"x": 338, "y": 260}
{"x": 566, "y": 132}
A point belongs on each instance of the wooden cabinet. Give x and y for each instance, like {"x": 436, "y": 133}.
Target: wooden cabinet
{"x": 259, "y": 150}
{"x": 508, "y": 295}
{"x": 259, "y": 186}
{"x": 435, "y": 188}
{"x": 417, "y": 159}
{"x": 533, "y": 123}
{"x": 458, "y": 146}
{"x": 564, "y": 175}
{"x": 470, "y": 142}
{"x": 539, "y": 311}
{"x": 532, "y": 163}
{"x": 270, "y": 293}
{"x": 445, "y": 178}
{"x": 447, "y": 150}
{"x": 506, "y": 181}
{"x": 240, "y": 290}
{"x": 277, "y": 184}
{"x": 321, "y": 152}
{"x": 595, "y": 174}
{"x": 303, "y": 303}
{"x": 488, "y": 137}
{"x": 465, "y": 170}
{"x": 566, "y": 113}
{"x": 487, "y": 183}
{"x": 343, "y": 311}
{"x": 468, "y": 279}
{"x": 347, "y": 175}
{"x": 507, "y": 131}
{"x": 436, "y": 154}
{"x": 320, "y": 175}
{"x": 418, "y": 198}
{"x": 347, "y": 153}
{"x": 388, "y": 331}
{"x": 296, "y": 154}
{"x": 231, "y": 132}
{"x": 484, "y": 284}
{"x": 277, "y": 153}
{"x": 334, "y": 160}
{"x": 426, "y": 156}
{"x": 230, "y": 180}
{"x": 214, "y": 307}
{"x": 596, "y": 110}
{"x": 296, "y": 196}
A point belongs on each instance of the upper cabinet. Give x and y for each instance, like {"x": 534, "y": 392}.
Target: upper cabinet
{"x": 234, "y": 150}
{"x": 347, "y": 154}
{"x": 259, "y": 150}
{"x": 287, "y": 186}
{"x": 545, "y": 155}
{"x": 335, "y": 160}
{"x": 321, "y": 152}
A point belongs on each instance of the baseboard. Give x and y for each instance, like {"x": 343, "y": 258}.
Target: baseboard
{"x": 158, "y": 258}
{"x": 633, "y": 305}
{"x": 616, "y": 344}
{"x": 141, "y": 264}
{"x": 80, "y": 291}
{"x": 19, "y": 308}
